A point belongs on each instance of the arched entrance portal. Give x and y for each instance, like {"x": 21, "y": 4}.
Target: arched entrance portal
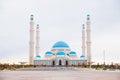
{"x": 53, "y": 63}
{"x": 60, "y": 62}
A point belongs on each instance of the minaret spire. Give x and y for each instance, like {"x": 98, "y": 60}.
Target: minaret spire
{"x": 88, "y": 35}
{"x": 37, "y": 40}
{"x": 83, "y": 40}
{"x": 31, "y": 42}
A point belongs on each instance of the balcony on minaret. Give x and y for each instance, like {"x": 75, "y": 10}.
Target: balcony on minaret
{"x": 31, "y": 17}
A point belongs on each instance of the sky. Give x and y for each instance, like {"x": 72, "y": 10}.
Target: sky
{"x": 59, "y": 20}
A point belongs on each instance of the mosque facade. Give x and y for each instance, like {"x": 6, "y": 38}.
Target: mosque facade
{"x": 60, "y": 54}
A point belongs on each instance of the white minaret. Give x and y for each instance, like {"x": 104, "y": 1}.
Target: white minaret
{"x": 31, "y": 43}
{"x": 83, "y": 40}
{"x": 88, "y": 32}
{"x": 37, "y": 40}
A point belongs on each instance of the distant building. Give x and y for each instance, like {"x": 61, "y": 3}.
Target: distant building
{"x": 60, "y": 54}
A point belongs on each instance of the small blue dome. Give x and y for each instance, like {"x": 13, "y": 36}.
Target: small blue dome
{"x": 48, "y": 52}
{"x": 88, "y": 15}
{"x": 82, "y": 56}
{"x": 38, "y": 56}
{"x": 60, "y": 53}
{"x": 72, "y": 52}
{"x": 60, "y": 44}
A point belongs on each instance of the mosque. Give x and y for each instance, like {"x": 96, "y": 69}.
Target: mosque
{"x": 60, "y": 54}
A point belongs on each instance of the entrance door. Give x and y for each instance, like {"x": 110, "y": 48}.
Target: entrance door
{"x": 53, "y": 63}
{"x": 66, "y": 63}
{"x": 60, "y": 62}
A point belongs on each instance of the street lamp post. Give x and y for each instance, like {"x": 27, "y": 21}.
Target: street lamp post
{"x": 104, "y": 60}
{"x": 104, "y": 57}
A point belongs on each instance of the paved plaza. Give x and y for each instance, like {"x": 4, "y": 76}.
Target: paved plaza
{"x": 60, "y": 75}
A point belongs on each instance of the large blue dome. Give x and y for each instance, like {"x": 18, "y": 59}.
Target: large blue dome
{"x": 60, "y": 44}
